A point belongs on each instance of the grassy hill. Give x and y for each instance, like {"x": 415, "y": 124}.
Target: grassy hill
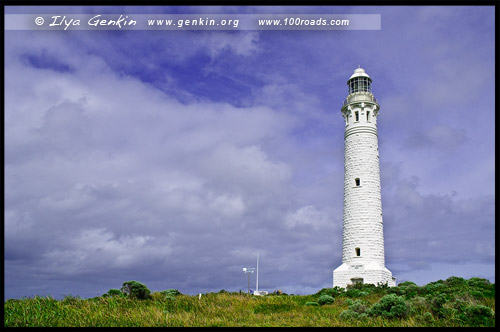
{"x": 453, "y": 302}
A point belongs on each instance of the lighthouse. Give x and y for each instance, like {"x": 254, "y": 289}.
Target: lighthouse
{"x": 363, "y": 259}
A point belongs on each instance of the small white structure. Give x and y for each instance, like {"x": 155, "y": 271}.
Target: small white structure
{"x": 363, "y": 257}
{"x": 257, "y": 292}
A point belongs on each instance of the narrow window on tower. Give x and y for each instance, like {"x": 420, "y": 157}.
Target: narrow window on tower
{"x": 358, "y": 252}
{"x": 368, "y": 116}
{"x": 357, "y": 115}
{"x": 357, "y": 181}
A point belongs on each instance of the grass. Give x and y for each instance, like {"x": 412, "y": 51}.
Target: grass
{"x": 450, "y": 305}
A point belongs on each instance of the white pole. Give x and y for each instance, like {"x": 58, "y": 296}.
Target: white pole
{"x": 257, "y": 284}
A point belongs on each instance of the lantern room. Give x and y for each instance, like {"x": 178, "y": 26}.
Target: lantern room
{"x": 359, "y": 82}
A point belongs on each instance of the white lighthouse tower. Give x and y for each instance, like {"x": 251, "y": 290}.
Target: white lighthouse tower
{"x": 363, "y": 259}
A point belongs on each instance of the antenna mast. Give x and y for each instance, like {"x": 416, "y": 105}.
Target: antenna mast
{"x": 257, "y": 284}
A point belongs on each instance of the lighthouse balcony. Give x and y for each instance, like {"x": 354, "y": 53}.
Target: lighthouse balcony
{"x": 360, "y": 97}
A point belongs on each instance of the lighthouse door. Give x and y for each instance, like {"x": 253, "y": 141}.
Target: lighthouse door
{"x": 357, "y": 281}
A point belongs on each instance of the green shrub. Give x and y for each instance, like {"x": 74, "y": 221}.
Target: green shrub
{"x": 171, "y": 292}
{"x": 478, "y": 282}
{"x": 325, "y": 299}
{"x": 408, "y": 289}
{"x": 419, "y": 305}
{"x": 434, "y": 287}
{"x": 114, "y": 292}
{"x": 478, "y": 315}
{"x": 437, "y": 302}
{"x": 426, "y": 318}
{"x": 355, "y": 289}
{"x": 348, "y": 314}
{"x": 390, "y": 306}
{"x": 395, "y": 290}
{"x": 314, "y": 304}
{"x": 455, "y": 282}
{"x": 333, "y": 292}
{"x": 382, "y": 286}
{"x": 477, "y": 294}
{"x": 406, "y": 284}
{"x": 359, "y": 291}
{"x": 136, "y": 290}
{"x": 357, "y": 310}
{"x": 481, "y": 285}
{"x": 353, "y": 292}
{"x": 359, "y": 306}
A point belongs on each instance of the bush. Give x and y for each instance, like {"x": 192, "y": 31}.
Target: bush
{"x": 419, "y": 305}
{"x": 406, "y": 284}
{"x": 359, "y": 306}
{"x": 455, "y": 282}
{"x": 437, "y": 302}
{"x": 390, "y": 306}
{"x": 426, "y": 318}
{"x": 114, "y": 292}
{"x": 382, "y": 285}
{"x": 434, "y": 287}
{"x": 359, "y": 289}
{"x": 333, "y": 292}
{"x": 171, "y": 292}
{"x": 478, "y": 315}
{"x": 354, "y": 292}
{"x": 325, "y": 299}
{"x": 314, "y": 304}
{"x": 136, "y": 290}
{"x": 348, "y": 314}
{"x": 478, "y": 282}
{"x": 408, "y": 289}
{"x": 477, "y": 295}
{"x": 357, "y": 310}
{"x": 481, "y": 285}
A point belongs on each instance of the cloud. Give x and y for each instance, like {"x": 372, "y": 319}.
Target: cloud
{"x": 241, "y": 44}
{"x": 439, "y": 136}
{"x": 307, "y": 217}
{"x": 108, "y": 174}
{"x": 437, "y": 227}
{"x": 96, "y": 249}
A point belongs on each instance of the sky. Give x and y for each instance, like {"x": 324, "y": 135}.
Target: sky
{"x": 175, "y": 157}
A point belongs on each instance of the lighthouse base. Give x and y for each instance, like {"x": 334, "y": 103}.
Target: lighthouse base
{"x": 348, "y": 274}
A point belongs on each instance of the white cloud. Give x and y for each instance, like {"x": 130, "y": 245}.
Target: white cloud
{"x": 307, "y": 216}
{"x": 97, "y": 248}
{"x": 229, "y": 206}
{"x": 242, "y": 44}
